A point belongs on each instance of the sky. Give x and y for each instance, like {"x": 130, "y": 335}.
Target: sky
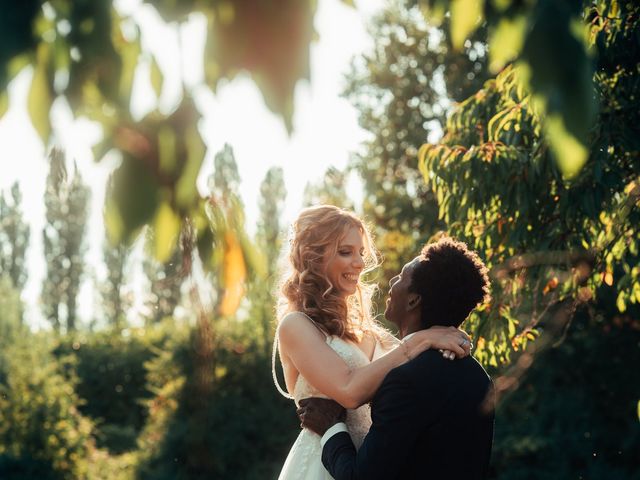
{"x": 325, "y": 131}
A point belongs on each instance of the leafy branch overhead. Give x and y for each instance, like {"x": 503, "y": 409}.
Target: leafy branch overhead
{"x": 554, "y": 244}
{"x": 548, "y": 39}
{"x": 88, "y": 52}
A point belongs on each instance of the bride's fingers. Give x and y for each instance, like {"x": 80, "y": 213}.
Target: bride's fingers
{"x": 449, "y": 355}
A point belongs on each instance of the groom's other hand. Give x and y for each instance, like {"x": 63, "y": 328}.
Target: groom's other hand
{"x": 319, "y": 414}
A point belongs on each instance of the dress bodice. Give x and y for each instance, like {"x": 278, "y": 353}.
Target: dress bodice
{"x": 358, "y": 420}
{"x": 304, "y": 461}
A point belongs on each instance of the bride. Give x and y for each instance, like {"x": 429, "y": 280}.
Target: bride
{"x": 329, "y": 344}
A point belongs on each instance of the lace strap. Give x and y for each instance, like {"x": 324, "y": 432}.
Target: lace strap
{"x": 274, "y": 353}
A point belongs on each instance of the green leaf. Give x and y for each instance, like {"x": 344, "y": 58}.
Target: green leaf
{"x": 560, "y": 75}
{"x": 167, "y": 228}
{"x": 433, "y": 11}
{"x": 16, "y": 65}
{"x": 466, "y": 15}
{"x": 133, "y": 200}
{"x": 276, "y": 55}
{"x": 39, "y": 99}
{"x": 570, "y": 154}
{"x": 113, "y": 223}
{"x": 157, "y": 78}
{"x": 511, "y": 328}
{"x": 506, "y": 41}
{"x": 129, "y": 51}
{"x": 186, "y": 190}
{"x": 4, "y": 103}
{"x": 167, "y": 149}
{"x": 620, "y": 303}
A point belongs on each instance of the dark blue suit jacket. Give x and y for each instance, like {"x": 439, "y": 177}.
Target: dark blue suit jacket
{"x": 432, "y": 419}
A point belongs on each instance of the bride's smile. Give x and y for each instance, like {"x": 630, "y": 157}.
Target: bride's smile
{"x": 344, "y": 268}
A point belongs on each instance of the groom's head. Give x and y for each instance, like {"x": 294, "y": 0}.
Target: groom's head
{"x": 441, "y": 286}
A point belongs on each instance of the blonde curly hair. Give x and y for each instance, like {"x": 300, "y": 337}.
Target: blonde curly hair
{"x": 314, "y": 239}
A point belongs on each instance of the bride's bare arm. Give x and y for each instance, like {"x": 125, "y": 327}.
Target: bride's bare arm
{"x": 305, "y": 347}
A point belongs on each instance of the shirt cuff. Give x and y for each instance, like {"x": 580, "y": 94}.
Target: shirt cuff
{"x": 337, "y": 428}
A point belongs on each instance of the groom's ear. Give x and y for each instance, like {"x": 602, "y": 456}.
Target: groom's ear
{"x": 414, "y": 300}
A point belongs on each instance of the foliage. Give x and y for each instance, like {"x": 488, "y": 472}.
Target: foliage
{"x": 269, "y": 235}
{"x": 402, "y": 89}
{"x": 11, "y": 326}
{"x": 549, "y": 40}
{"x": 66, "y": 202}
{"x": 88, "y": 52}
{"x": 330, "y": 190}
{"x": 588, "y": 407}
{"x": 114, "y": 303}
{"x": 165, "y": 280}
{"x": 42, "y": 433}
{"x": 224, "y": 421}
{"x": 112, "y": 381}
{"x": 235, "y": 259}
{"x": 551, "y": 241}
{"x": 14, "y": 238}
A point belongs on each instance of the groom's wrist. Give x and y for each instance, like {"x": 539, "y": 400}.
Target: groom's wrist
{"x": 337, "y": 428}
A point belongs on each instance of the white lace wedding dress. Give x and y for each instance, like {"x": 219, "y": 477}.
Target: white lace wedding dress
{"x": 304, "y": 459}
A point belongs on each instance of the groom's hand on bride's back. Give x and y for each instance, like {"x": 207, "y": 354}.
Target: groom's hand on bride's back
{"x": 319, "y": 414}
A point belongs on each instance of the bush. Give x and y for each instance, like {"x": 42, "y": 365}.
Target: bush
{"x": 112, "y": 382}
{"x": 575, "y": 413}
{"x": 42, "y": 433}
{"x": 230, "y": 425}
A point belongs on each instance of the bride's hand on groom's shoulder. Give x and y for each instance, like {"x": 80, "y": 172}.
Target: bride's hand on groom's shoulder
{"x": 320, "y": 414}
{"x": 450, "y": 341}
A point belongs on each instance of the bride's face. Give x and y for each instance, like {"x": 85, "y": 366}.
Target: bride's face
{"x": 344, "y": 268}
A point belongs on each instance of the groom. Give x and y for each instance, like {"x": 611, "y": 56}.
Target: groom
{"x": 432, "y": 418}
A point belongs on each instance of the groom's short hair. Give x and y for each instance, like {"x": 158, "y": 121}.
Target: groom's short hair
{"x": 451, "y": 281}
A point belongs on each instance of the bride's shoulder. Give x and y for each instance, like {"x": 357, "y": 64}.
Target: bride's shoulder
{"x": 297, "y": 323}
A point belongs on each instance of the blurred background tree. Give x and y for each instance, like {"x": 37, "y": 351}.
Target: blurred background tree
{"x": 14, "y": 238}
{"x": 403, "y": 90}
{"x": 67, "y": 201}
{"x": 165, "y": 283}
{"x": 269, "y": 237}
{"x": 114, "y": 301}
{"x": 331, "y": 189}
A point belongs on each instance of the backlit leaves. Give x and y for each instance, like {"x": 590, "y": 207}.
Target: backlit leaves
{"x": 548, "y": 39}
{"x": 161, "y": 159}
{"x": 88, "y": 52}
{"x": 132, "y": 201}
{"x": 166, "y": 229}
{"x": 571, "y": 154}
{"x": 234, "y": 272}
{"x": 40, "y": 97}
{"x": 556, "y": 236}
{"x": 506, "y": 41}
{"x": 465, "y": 18}
{"x": 268, "y": 39}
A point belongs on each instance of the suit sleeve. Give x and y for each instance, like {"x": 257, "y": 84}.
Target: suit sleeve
{"x": 398, "y": 419}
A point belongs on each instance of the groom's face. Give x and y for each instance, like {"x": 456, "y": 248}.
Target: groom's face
{"x": 399, "y": 301}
